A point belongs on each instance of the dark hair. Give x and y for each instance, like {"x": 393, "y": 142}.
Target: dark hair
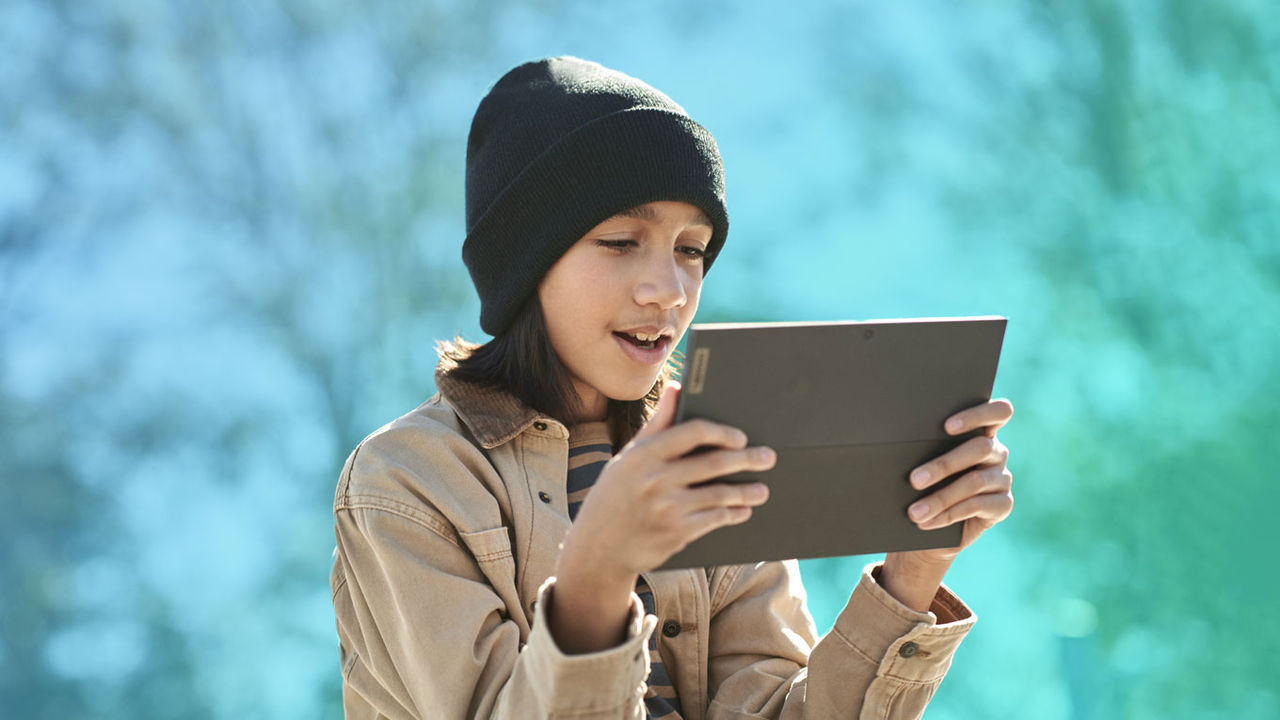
{"x": 521, "y": 361}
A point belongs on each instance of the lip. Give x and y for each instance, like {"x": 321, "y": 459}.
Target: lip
{"x": 656, "y": 356}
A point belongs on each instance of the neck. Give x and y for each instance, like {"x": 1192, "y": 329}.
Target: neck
{"x": 593, "y": 405}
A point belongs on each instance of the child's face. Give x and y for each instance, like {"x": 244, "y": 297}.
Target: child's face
{"x": 637, "y": 272}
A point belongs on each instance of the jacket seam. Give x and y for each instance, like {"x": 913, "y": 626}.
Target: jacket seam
{"x": 912, "y": 681}
{"x": 338, "y": 588}
{"x": 344, "y": 481}
{"x": 731, "y": 576}
{"x": 415, "y": 515}
{"x": 892, "y": 676}
{"x": 889, "y": 701}
{"x": 857, "y": 650}
{"x": 349, "y": 665}
{"x": 493, "y": 556}
{"x": 527, "y": 551}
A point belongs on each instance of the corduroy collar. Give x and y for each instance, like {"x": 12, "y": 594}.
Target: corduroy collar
{"x": 494, "y": 416}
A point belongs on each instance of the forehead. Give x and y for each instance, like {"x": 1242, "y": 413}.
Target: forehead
{"x": 651, "y": 214}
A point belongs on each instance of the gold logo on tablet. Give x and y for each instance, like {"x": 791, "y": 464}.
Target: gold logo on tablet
{"x": 698, "y": 374}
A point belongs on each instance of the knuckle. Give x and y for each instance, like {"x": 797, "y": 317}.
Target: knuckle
{"x": 647, "y": 483}
{"x": 662, "y": 506}
{"x": 700, "y": 428}
{"x": 730, "y": 461}
{"x": 1003, "y": 505}
{"x": 969, "y": 485}
{"x": 675, "y": 538}
{"x": 719, "y": 463}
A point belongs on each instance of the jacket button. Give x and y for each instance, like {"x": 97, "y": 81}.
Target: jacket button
{"x": 539, "y": 425}
{"x": 544, "y": 497}
{"x": 908, "y": 649}
{"x": 671, "y": 628}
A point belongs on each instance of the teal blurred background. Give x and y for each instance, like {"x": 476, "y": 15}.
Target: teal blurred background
{"x": 230, "y": 234}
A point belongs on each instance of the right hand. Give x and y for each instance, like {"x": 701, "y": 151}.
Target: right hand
{"x": 642, "y": 510}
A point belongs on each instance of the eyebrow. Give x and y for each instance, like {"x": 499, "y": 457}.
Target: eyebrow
{"x": 646, "y": 212}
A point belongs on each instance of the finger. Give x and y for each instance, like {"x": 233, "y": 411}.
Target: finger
{"x": 974, "y": 451}
{"x": 678, "y": 440}
{"x": 719, "y": 463}
{"x": 990, "y": 416}
{"x": 664, "y": 414}
{"x": 990, "y": 507}
{"x": 704, "y": 521}
{"x": 716, "y": 495}
{"x": 988, "y": 479}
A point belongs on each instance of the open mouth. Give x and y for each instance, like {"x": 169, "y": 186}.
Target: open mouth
{"x": 648, "y": 343}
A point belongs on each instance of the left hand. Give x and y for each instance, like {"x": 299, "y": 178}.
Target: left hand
{"x": 981, "y": 497}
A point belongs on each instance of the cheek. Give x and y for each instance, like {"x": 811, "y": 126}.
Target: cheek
{"x": 693, "y": 289}
{"x": 571, "y": 310}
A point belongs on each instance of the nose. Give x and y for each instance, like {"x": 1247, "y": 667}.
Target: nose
{"x": 661, "y": 284}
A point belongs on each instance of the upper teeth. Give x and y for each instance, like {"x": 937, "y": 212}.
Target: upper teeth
{"x": 646, "y": 337}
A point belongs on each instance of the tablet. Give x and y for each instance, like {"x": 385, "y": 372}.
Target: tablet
{"x": 851, "y": 408}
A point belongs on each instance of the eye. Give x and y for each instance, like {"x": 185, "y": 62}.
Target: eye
{"x": 692, "y": 252}
{"x": 620, "y": 246}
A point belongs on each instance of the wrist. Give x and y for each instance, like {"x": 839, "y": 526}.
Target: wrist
{"x": 591, "y": 568}
{"x": 919, "y": 563}
{"x": 587, "y": 610}
{"x": 912, "y": 580}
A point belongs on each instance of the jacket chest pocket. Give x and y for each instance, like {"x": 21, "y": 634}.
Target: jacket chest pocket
{"x": 492, "y": 550}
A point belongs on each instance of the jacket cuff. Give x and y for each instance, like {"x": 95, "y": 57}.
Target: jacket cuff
{"x": 595, "y": 682}
{"x": 903, "y": 643}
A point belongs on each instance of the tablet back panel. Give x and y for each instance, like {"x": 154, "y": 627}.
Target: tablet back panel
{"x": 851, "y": 408}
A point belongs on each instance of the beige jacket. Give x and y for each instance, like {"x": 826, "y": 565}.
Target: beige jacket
{"x": 448, "y": 522}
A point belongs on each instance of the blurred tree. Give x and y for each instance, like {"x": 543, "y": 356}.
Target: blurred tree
{"x": 282, "y": 180}
{"x": 1129, "y": 167}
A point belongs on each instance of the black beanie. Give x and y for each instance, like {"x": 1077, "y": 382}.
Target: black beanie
{"x": 558, "y": 146}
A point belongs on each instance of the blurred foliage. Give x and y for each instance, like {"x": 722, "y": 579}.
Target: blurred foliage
{"x": 229, "y": 235}
{"x": 1134, "y": 180}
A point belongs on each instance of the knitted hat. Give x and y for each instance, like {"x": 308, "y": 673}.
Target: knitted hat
{"x": 558, "y": 146}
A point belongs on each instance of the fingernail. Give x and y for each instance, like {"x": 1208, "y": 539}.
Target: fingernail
{"x": 953, "y": 424}
{"x": 763, "y": 454}
{"x": 919, "y": 477}
{"x": 758, "y": 492}
{"x": 919, "y": 510}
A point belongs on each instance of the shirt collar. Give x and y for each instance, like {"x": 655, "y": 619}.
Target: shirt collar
{"x": 493, "y": 415}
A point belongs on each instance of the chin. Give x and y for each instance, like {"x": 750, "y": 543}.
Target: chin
{"x": 631, "y": 391}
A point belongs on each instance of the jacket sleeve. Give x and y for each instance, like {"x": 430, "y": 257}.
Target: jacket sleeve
{"x": 881, "y": 659}
{"x": 425, "y": 635}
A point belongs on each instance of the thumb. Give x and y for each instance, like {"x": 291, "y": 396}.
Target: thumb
{"x": 665, "y": 413}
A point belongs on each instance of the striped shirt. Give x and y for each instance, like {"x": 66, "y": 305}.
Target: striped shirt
{"x": 589, "y": 449}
